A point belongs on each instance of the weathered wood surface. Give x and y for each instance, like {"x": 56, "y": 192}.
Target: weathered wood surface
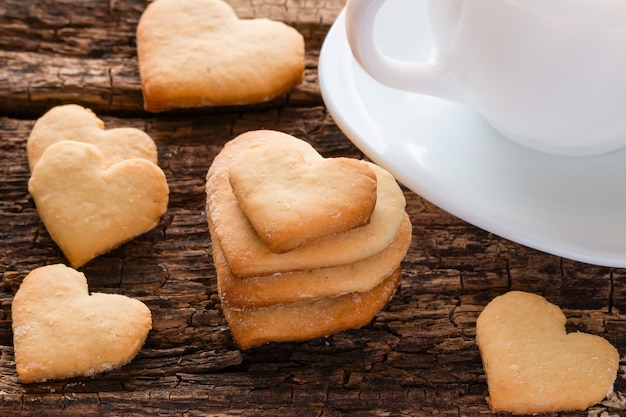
{"x": 418, "y": 357}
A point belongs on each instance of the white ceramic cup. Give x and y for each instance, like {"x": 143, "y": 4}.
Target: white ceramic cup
{"x": 549, "y": 74}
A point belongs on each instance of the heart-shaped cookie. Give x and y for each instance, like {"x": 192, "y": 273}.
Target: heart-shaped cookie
{"x": 60, "y": 331}
{"x": 291, "y": 200}
{"x": 533, "y": 366}
{"x": 89, "y": 208}
{"x": 73, "y": 122}
{"x": 199, "y": 53}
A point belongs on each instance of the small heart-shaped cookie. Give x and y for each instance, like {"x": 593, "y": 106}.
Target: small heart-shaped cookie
{"x": 533, "y": 366}
{"x": 197, "y": 53}
{"x": 60, "y": 331}
{"x": 291, "y": 201}
{"x": 73, "y": 122}
{"x": 89, "y": 208}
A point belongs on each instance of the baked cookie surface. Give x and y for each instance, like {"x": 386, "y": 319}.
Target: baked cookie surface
{"x": 533, "y": 365}
{"x": 61, "y": 331}
{"x": 198, "y": 53}
{"x": 90, "y": 208}
{"x": 292, "y": 199}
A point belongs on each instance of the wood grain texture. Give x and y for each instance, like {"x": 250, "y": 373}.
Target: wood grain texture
{"x": 418, "y": 357}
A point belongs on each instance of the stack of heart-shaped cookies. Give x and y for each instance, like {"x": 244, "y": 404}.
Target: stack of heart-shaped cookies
{"x": 304, "y": 246}
{"x": 94, "y": 188}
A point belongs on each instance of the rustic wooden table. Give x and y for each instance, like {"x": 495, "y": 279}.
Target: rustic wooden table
{"x": 417, "y": 357}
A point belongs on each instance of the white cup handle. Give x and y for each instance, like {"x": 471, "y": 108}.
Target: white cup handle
{"x": 426, "y": 77}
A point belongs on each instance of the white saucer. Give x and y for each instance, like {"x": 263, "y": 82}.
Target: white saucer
{"x": 573, "y": 207}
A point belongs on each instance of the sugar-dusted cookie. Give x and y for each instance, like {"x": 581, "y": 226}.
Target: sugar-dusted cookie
{"x": 199, "y": 53}
{"x": 290, "y": 287}
{"x": 90, "y": 208}
{"x": 61, "y": 331}
{"x": 73, "y": 122}
{"x": 246, "y": 253}
{"x": 292, "y": 200}
{"x": 533, "y": 366}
